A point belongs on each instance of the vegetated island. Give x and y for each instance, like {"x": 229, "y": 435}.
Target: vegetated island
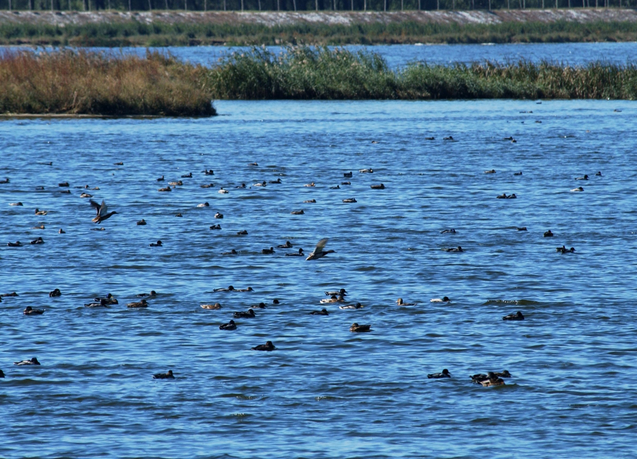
{"x": 181, "y": 28}
{"x": 68, "y": 82}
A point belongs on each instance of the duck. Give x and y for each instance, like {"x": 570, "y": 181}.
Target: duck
{"x": 152, "y": 294}
{"x": 188, "y": 175}
{"x": 100, "y": 303}
{"x": 253, "y": 164}
{"x": 243, "y": 185}
{"x": 577, "y": 190}
{"x": 31, "y": 361}
{"x": 310, "y": 201}
{"x": 585, "y": 177}
{"x": 346, "y": 183}
{"x": 333, "y": 299}
{"x": 430, "y": 138}
{"x": 275, "y": 301}
{"x": 230, "y": 288}
{"x": 86, "y": 195}
{"x": 61, "y": 231}
{"x": 341, "y": 292}
{"x": 563, "y": 250}
{"x": 215, "y": 227}
{"x": 1, "y": 374}
{"x": 8, "y": 294}
{"x": 347, "y": 174}
{"x": 493, "y": 380}
{"x": 38, "y": 240}
{"x": 352, "y": 306}
{"x": 208, "y": 172}
{"x": 177, "y": 183}
{"x": 444, "y": 374}
{"x": 366, "y": 171}
{"x": 65, "y": 192}
{"x": 448, "y": 231}
{"x": 110, "y": 299}
{"x": 492, "y": 171}
{"x": 512, "y": 196}
{"x": 101, "y": 211}
{"x": 218, "y": 215}
{"x": 517, "y": 173}
{"x": 502, "y": 196}
{"x": 14, "y": 244}
{"x": 515, "y": 316}
{"x": 521, "y": 228}
{"x": 268, "y": 346}
{"x": 360, "y": 328}
{"x": 267, "y": 251}
{"x": 211, "y": 306}
{"x": 156, "y": 244}
{"x": 318, "y": 251}
{"x": 204, "y": 204}
{"x": 598, "y": 173}
{"x": 165, "y": 189}
{"x": 167, "y": 375}
{"x": 38, "y": 227}
{"x": 400, "y": 302}
{"x": 350, "y": 200}
{"x": 260, "y": 184}
{"x": 6, "y": 180}
{"x": 41, "y": 212}
{"x": 242, "y": 233}
{"x": 207, "y": 185}
{"x": 297, "y": 212}
{"x": 448, "y": 138}
{"x": 322, "y": 312}
{"x": 479, "y": 378}
{"x": 62, "y": 184}
{"x": 337, "y": 187}
{"x": 229, "y": 326}
{"x": 232, "y": 252}
{"x": 548, "y": 233}
{"x": 15, "y": 204}
{"x": 138, "y": 304}
{"x": 55, "y": 292}
{"x": 29, "y": 311}
{"x": 309, "y": 185}
{"x": 259, "y": 306}
{"x": 287, "y": 245}
{"x": 379, "y": 186}
{"x": 160, "y": 179}
{"x": 244, "y": 314}
{"x": 141, "y": 222}
{"x": 444, "y": 299}
{"x": 454, "y": 249}
{"x": 223, "y": 191}
{"x": 247, "y": 289}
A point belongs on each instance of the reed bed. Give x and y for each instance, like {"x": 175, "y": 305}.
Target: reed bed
{"x": 133, "y": 33}
{"x": 324, "y": 73}
{"x": 89, "y": 83}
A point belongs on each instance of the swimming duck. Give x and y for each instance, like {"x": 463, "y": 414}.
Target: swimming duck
{"x": 444, "y": 299}
{"x": 222, "y": 289}
{"x": 167, "y": 188}
{"x": 247, "y": 289}
{"x": 65, "y": 192}
{"x": 208, "y": 172}
{"x": 40, "y": 212}
{"x": 100, "y": 303}
{"x": 492, "y": 380}
{"x": 380, "y": 186}
{"x": 585, "y": 177}
{"x": 137, "y": 304}
{"x": 517, "y": 173}
{"x": 8, "y": 294}
{"x": 447, "y": 138}
{"x": 366, "y": 171}
{"x": 215, "y": 227}
{"x": 322, "y": 312}
{"x": 333, "y": 299}
{"x": 430, "y": 138}
{"x": 512, "y": 196}
{"x": 232, "y": 252}
{"x": 243, "y": 185}
{"x": 1, "y": 374}
{"x": 14, "y": 244}
{"x": 341, "y": 292}
{"x": 260, "y": 184}
{"x": 62, "y": 184}
{"x": 211, "y": 306}
{"x": 229, "y": 326}
{"x": 37, "y": 241}
{"x": 55, "y": 293}
{"x": 189, "y": 175}
{"x": 287, "y": 245}
{"x": 222, "y": 191}
{"x": 207, "y": 185}
{"x": 31, "y": 361}
{"x": 297, "y": 212}
{"x": 275, "y": 181}
{"x": 15, "y": 204}
{"x": 160, "y": 179}
{"x": 61, "y": 231}
{"x": 448, "y": 231}
{"x": 563, "y": 250}
{"x": 177, "y": 183}
{"x": 267, "y": 251}
{"x": 492, "y": 171}
{"x": 400, "y": 302}
{"x": 337, "y": 187}
{"x": 577, "y": 190}
{"x": 242, "y": 233}
{"x": 346, "y": 183}
{"x": 352, "y": 306}
{"x": 598, "y": 173}
{"x": 360, "y": 328}
{"x": 244, "y": 314}
{"x": 156, "y": 244}
{"x": 268, "y": 346}
{"x": 275, "y": 301}
{"x": 205, "y": 204}
{"x": 38, "y": 227}
{"x": 454, "y": 249}
{"x": 548, "y": 233}
{"x": 86, "y": 195}
{"x": 167, "y": 375}
{"x": 318, "y": 251}
{"x": 152, "y": 294}
{"x": 29, "y": 311}
{"x": 253, "y": 164}
{"x": 141, "y": 222}
{"x": 445, "y": 374}
{"x": 350, "y": 200}
{"x": 6, "y": 180}
{"x": 309, "y": 185}
{"x": 347, "y": 174}
{"x": 479, "y": 378}
{"x": 521, "y": 228}
{"x": 516, "y": 316}
{"x": 259, "y": 306}
{"x": 101, "y": 211}
{"x": 310, "y": 201}
{"x": 218, "y": 215}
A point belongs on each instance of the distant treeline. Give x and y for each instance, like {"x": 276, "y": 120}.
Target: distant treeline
{"x": 134, "y": 33}
{"x": 302, "y": 5}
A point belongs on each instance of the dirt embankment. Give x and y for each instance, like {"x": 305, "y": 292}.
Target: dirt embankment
{"x": 322, "y": 17}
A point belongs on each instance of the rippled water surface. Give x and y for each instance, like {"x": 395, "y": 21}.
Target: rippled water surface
{"x": 325, "y": 392}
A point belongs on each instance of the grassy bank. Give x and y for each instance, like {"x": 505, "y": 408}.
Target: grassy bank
{"x": 305, "y": 73}
{"x": 135, "y": 33}
{"x": 67, "y": 82}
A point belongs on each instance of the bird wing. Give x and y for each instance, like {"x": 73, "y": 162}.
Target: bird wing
{"x": 319, "y": 247}
{"x": 96, "y": 206}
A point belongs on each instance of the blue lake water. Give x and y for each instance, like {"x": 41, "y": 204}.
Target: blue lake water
{"x": 325, "y": 391}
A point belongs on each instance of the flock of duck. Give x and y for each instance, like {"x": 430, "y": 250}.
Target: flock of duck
{"x": 337, "y": 296}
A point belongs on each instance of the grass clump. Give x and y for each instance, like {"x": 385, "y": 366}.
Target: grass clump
{"x": 89, "y": 83}
{"x": 324, "y": 73}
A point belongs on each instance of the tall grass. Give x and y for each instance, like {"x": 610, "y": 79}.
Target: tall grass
{"x": 323, "y": 73}
{"x": 82, "y": 82}
{"x": 134, "y": 33}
